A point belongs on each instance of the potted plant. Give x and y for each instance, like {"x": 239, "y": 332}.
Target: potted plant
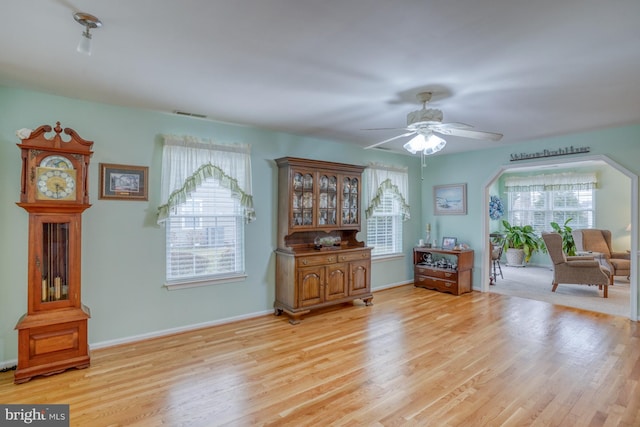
{"x": 568, "y": 245}
{"x": 520, "y": 243}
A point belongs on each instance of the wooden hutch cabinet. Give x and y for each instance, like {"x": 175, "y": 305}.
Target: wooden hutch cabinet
{"x": 52, "y": 335}
{"x": 443, "y": 270}
{"x": 319, "y": 262}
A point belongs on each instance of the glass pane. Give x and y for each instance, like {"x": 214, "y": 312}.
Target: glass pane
{"x": 297, "y": 181}
{"x": 324, "y": 183}
{"x": 303, "y": 198}
{"x": 346, "y": 185}
{"x": 333, "y": 183}
{"x": 327, "y": 201}
{"x": 307, "y": 182}
{"x": 354, "y": 185}
{"x": 54, "y": 266}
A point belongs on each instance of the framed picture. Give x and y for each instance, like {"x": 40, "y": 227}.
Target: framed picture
{"x": 449, "y": 242}
{"x": 123, "y": 182}
{"x": 450, "y": 199}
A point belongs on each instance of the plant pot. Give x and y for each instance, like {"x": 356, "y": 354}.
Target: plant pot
{"x": 515, "y": 257}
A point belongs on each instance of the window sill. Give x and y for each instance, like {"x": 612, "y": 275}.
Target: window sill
{"x": 205, "y": 282}
{"x": 387, "y": 257}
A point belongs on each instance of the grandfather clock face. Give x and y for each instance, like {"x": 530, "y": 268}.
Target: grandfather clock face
{"x": 56, "y": 179}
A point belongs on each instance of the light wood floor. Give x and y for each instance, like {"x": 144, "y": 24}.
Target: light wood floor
{"x": 416, "y": 357}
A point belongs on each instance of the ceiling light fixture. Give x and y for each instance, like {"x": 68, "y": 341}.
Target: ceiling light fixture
{"x": 426, "y": 142}
{"x": 89, "y": 22}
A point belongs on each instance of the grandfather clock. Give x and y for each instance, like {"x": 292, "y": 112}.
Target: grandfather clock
{"x": 52, "y": 335}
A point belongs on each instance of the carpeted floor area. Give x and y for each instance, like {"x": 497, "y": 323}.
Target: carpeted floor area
{"x": 535, "y": 283}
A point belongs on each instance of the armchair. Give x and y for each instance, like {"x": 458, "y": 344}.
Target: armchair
{"x": 583, "y": 270}
{"x": 595, "y": 240}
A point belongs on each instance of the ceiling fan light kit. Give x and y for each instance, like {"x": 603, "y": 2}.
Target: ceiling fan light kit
{"x": 424, "y": 122}
{"x": 89, "y": 22}
{"x": 427, "y": 144}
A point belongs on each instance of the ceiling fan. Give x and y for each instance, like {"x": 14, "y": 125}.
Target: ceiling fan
{"x": 425, "y": 123}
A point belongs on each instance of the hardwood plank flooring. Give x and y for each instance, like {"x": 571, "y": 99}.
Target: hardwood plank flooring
{"x": 416, "y": 357}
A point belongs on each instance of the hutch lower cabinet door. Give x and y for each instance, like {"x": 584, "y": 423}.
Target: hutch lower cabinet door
{"x": 305, "y": 282}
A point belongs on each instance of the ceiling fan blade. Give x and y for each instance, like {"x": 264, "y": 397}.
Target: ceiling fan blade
{"x": 465, "y": 133}
{"x": 388, "y": 140}
{"x": 451, "y": 125}
{"x": 384, "y": 129}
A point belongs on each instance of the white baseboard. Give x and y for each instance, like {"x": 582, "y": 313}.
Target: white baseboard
{"x": 8, "y": 363}
{"x": 392, "y": 285}
{"x": 165, "y": 332}
{"x": 172, "y": 331}
{"x": 186, "y": 328}
{"x": 156, "y": 334}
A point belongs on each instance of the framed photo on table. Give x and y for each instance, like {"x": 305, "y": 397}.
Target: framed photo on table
{"x": 449, "y": 242}
{"x": 123, "y": 182}
{"x": 450, "y": 199}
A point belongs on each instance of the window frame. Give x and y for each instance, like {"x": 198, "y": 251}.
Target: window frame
{"x": 200, "y": 216}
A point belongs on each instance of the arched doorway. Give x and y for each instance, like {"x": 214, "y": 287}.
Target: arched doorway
{"x": 633, "y": 303}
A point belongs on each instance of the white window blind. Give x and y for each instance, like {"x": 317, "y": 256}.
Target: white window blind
{"x": 205, "y": 235}
{"x": 384, "y": 226}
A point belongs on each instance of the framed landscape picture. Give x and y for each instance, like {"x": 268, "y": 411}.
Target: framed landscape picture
{"x": 122, "y": 182}
{"x": 450, "y": 199}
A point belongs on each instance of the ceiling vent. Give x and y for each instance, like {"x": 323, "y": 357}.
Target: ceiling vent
{"x": 184, "y": 113}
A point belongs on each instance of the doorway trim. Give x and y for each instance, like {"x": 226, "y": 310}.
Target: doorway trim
{"x": 633, "y": 278}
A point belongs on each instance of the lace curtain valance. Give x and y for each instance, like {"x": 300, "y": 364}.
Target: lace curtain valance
{"x": 188, "y": 161}
{"x": 381, "y": 178}
{"x": 552, "y": 182}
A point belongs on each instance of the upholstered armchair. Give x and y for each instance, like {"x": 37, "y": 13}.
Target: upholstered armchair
{"x": 595, "y": 240}
{"x": 584, "y": 270}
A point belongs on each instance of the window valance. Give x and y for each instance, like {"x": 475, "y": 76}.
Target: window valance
{"x": 380, "y": 178}
{"x": 552, "y": 182}
{"x": 188, "y": 161}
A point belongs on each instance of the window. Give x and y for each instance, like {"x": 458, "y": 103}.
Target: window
{"x": 207, "y": 192}
{"x": 384, "y": 226}
{"x": 205, "y": 235}
{"x": 540, "y": 208}
{"x": 387, "y": 195}
{"x": 543, "y": 199}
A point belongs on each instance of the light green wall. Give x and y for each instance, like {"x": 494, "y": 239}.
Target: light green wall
{"x": 123, "y": 248}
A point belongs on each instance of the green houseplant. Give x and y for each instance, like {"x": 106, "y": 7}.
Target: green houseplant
{"x": 520, "y": 243}
{"x": 568, "y": 245}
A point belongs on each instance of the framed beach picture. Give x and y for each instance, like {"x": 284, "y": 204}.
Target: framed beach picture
{"x": 122, "y": 182}
{"x": 450, "y": 199}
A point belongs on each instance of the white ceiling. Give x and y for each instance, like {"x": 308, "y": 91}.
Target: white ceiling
{"x": 330, "y": 68}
